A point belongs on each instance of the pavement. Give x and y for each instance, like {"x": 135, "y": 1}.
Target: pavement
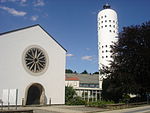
{"x": 83, "y": 109}
{"x": 142, "y": 109}
{"x": 67, "y": 109}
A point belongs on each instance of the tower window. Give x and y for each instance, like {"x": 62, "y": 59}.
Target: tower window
{"x": 102, "y": 46}
{"x": 106, "y": 46}
{"x": 109, "y": 30}
{"x": 113, "y": 21}
{"x": 106, "y": 51}
{"x": 101, "y": 21}
{"x": 102, "y": 51}
{"x": 105, "y": 20}
{"x": 101, "y": 16}
{"x": 101, "y": 26}
{"x": 109, "y": 25}
{"x": 105, "y": 25}
{"x": 106, "y": 56}
{"x": 105, "y": 16}
{"x": 102, "y": 56}
{"x": 109, "y": 20}
{"x": 114, "y": 31}
{"x": 114, "y": 26}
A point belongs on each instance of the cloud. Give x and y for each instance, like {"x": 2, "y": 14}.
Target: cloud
{"x": 69, "y": 55}
{"x": 87, "y": 49}
{"x": 34, "y": 18}
{"x": 21, "y": 1}
{"x": 88, "y": 58}
{"x": 13, "y": 11}
{"x": 93, "y": 13}
{"x": 38, "y": 3}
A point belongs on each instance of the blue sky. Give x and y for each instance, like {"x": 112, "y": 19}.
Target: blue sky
{"x": 73, "y": 23}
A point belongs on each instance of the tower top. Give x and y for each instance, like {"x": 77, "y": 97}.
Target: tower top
{"x": 106, "y": 6}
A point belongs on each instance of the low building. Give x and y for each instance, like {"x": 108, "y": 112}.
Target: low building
{"x": 86, "y": 85}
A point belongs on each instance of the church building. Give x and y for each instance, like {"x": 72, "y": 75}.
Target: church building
{"x": 32, "y": 68}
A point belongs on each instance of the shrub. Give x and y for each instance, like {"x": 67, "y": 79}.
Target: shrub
{"x": 99, "y": 103}
{"x": 76, "y": 101}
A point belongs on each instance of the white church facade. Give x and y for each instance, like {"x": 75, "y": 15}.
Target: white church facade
{"x": 32, "y": 67}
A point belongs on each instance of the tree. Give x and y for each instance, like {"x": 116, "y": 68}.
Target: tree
{"x": 96, "y": 73}
{"x": 69, "y": 93}
{"x": 129, "y": 72}
{"x": 69, "y": 71}
{"x": 84, "y": 72}
{"x": 71, "y": 97}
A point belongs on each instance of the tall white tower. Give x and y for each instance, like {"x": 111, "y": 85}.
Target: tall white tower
{"x": 107, "y": 34}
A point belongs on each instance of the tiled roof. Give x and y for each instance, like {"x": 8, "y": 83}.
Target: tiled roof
{"x": 72, "y": 79}
{"x": 85, "y": 78}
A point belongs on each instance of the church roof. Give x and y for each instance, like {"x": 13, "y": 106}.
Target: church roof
{"x": 30, "y": 27}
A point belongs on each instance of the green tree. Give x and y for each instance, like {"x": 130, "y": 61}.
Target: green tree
{"x": 69, "y": 71}
{"x": 84, "y": 72}
{"x": 69, "y": 93}
{"x": 129, "y": 72}
{"x": 71, "y": 97}
{"x": 96, "y": 73}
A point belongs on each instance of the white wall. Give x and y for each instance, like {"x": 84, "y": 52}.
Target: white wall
{"x": 107, "y": 33}
{"x": 14, "y": 76}
{"x": 74, "y": 84}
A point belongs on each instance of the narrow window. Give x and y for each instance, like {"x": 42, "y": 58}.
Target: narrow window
{"x": 109, "y": 25}
{"x": 109, "y": 30}
{"x": 105, "y": 25}
{"x": 101, "y": 21}
{"x": 105, "y": 20}
{"x": 109, "y": 20}
{"x": 105, "y": 16}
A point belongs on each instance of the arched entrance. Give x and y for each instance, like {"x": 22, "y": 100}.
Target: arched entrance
{"x": 35, "y": 94}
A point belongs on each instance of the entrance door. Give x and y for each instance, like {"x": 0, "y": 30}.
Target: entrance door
{"x": 35, "y": 94}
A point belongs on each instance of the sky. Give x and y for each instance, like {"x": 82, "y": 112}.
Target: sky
{"x": 73, "y": 23}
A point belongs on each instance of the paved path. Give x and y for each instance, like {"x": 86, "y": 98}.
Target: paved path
{"x": 64, "y": 109}
{"x": 83, "y": 109}
{"x": 71, "y": 109}
{"x": 143, "y": 109}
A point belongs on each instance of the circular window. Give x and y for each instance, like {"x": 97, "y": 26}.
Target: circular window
{"x": 35, "y": 60}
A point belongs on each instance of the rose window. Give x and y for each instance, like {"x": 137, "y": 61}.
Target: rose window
{"x": 35, "y": 60}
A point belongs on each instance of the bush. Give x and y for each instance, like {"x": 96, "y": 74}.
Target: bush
{"x": 76, "y": 101}
{"x": 71, "y": 97}
{"x": 99, "y": 103}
